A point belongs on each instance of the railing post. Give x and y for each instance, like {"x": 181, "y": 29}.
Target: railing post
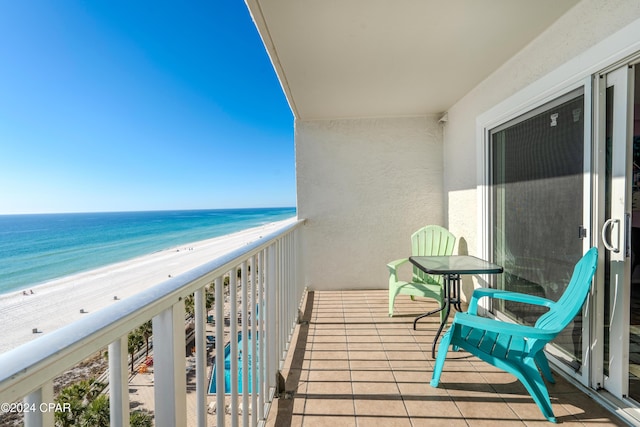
{"x": 42, "y": 396}
{"x": 254, "y": 340}
{"x": 245, "y": 346}
{"x": 283, "y": 310}
{"x": 200, "y": 303}
{"x": 169, "y": 364}
{"x": 233, "y": 326}
{"x": 219, "y": 312}
{"x": 118, "y": 383}
{"x": 259, "y": 316}
{"x": 271, "y": 315}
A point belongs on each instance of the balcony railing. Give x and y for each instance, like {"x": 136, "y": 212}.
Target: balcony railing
{"x": 263, "y": 277}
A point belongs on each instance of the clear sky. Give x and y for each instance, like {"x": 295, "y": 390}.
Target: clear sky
{"x": 113, "y": 105}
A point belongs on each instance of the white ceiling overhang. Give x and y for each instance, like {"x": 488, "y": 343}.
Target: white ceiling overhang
{"x": 381, "y": 58}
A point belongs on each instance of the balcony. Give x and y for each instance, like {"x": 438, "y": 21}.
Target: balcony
{"x": 343, "y": 360}
{"x": 352, "y": 365}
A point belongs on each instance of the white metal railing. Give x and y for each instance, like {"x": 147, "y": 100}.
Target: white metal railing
{"x": 270, "y": 291}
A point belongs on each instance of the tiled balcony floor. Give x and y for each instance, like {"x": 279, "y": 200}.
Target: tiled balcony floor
{"x": 352, "y": 365}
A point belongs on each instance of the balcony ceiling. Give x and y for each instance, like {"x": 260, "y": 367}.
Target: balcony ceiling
{"x": 380, "y": 58}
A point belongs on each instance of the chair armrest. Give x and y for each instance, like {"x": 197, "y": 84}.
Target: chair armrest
{"x": 393, "y": 269}
{"x": 498, "y": 326}
{"x": 505, "y": 295}
{"x": 393, "y": 265}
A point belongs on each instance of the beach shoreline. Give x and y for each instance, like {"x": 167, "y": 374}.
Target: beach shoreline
{"x": 58, "y": 302}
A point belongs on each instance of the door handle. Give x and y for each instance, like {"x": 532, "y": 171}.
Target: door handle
{"x": 609, "y": 224}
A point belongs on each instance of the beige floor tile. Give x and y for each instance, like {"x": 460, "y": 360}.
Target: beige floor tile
{"x": 403, "y": 347}
{"x": 329, "y": 375}
{"x": 363, "y": 337}
{"x": 379, "y": 389}
{"x": 383, "y": 421}
{"x": 411, "y": 353}
{"x": 410, "y": 364}
{"x": 369, "y": 364}
{"x": 332, "y": 406}
{"x": 318, "y": 354}
{"x": 328, "y": 338}
{"x": 342, "y": 346}
{"x": 328, "y": 364}
{"x": 322, "y": 388}
{"x": 415, "y": 389}
{"x": 485, "y": 407}
{"x": 390, "y": 406}
{"x": 396, "y": 338}
{"x": 329, "y": 421}
{"x": 365, "y": 346}
{"x": 367, "y": 355}
{"x": 435, "y": 408}
{"x": 372, "y": 376}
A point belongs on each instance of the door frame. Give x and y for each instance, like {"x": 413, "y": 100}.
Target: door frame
{"x": 617, "y": 382}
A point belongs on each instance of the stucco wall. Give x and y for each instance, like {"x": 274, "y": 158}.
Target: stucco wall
{"x": 364, "y": 186}
{"x": 587, "y": 24}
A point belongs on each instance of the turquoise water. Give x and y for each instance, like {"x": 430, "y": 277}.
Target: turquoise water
{"x": 42, "y": 247}
{"x": 227, "y": 367}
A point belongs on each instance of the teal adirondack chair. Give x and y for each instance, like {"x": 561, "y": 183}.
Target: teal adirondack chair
{"x": 429, "y": 240}
{"x": 515, "y": 348}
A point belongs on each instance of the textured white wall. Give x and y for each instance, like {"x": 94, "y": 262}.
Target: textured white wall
{"x": 364, "y": 186}
{"x": 588, "y": 23}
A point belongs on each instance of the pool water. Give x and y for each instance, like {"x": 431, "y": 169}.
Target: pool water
{"x": 227, "y": 367}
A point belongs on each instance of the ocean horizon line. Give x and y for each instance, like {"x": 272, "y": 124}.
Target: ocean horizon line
{"x": 146, "y": 210}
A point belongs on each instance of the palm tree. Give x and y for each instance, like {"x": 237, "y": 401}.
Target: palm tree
{"x": 78, "y": 396}
{"x": 210, "y": 295}
{"x": 90, "y": 408}
{"x": 190, "y": 305}
{"x": 96, "y": 413}
{"x": 134, "y": 343}
{"x": 140, "y": 419}
{"x": 146, "y": 330}
{"x": 210, "y": 298}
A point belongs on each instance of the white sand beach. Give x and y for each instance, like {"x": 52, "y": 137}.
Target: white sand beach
{"x": 59, "y": 302}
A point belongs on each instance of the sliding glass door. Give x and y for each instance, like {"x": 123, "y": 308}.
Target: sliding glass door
{"x": 538, "y": 215}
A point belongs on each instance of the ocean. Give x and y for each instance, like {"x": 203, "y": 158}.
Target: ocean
{"x": 36, "y": 248}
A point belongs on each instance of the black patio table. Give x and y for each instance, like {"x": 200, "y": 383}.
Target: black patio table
{"x": 451, "y": 267}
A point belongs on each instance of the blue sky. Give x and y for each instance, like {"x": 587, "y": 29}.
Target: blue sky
{"x": 139, "y": 105}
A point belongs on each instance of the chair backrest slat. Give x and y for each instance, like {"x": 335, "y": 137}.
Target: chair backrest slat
{"x": 571, "y": 301}
{"x": 431, "y": 240}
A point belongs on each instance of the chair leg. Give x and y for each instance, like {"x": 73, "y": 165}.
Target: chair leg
{"x": 443, "y": 348}
{"x": 531, "y": 379}
{"x": 393, "y": 292}
{"x": 543, "y": 365}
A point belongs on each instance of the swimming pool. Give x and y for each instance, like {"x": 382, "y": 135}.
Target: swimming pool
{"x": 227, "y": 366}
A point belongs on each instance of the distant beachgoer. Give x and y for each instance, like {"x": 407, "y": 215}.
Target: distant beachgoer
{"x": 31, "y": 290}
{"x": 24, "y": 293}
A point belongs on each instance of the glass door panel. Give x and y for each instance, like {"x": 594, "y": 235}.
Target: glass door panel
{"x": 538, "y": 209}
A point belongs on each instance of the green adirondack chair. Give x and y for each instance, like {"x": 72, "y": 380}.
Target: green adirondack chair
{"x": 429, "y": 240}
{"x": 515, "y": 348}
